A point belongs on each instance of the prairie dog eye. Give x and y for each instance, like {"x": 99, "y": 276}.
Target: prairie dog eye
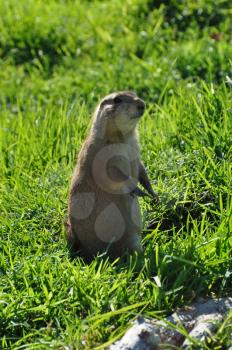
{"x": 117, "y": 100}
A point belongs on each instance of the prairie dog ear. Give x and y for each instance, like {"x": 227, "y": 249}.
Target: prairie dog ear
{"x": 105, "y": 102}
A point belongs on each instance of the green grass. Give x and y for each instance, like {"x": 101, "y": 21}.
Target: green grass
{"x": 58, "y": 58}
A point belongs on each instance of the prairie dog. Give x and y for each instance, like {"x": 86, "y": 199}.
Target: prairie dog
{"x": 104, "y": 213}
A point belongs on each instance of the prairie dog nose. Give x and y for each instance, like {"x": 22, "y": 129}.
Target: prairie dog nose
{"x": 140, "y": 105}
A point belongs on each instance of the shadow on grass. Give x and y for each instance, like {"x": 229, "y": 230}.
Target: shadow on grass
{"x": 180, "y": 214}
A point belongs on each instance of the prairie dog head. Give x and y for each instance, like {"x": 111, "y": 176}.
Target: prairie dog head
{"x": 118, "y": 114}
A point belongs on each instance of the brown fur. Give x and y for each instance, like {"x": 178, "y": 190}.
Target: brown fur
{"x": 104, "y": 213}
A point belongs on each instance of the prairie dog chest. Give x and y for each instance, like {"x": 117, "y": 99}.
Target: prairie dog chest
{"x": 125, "y": 157}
